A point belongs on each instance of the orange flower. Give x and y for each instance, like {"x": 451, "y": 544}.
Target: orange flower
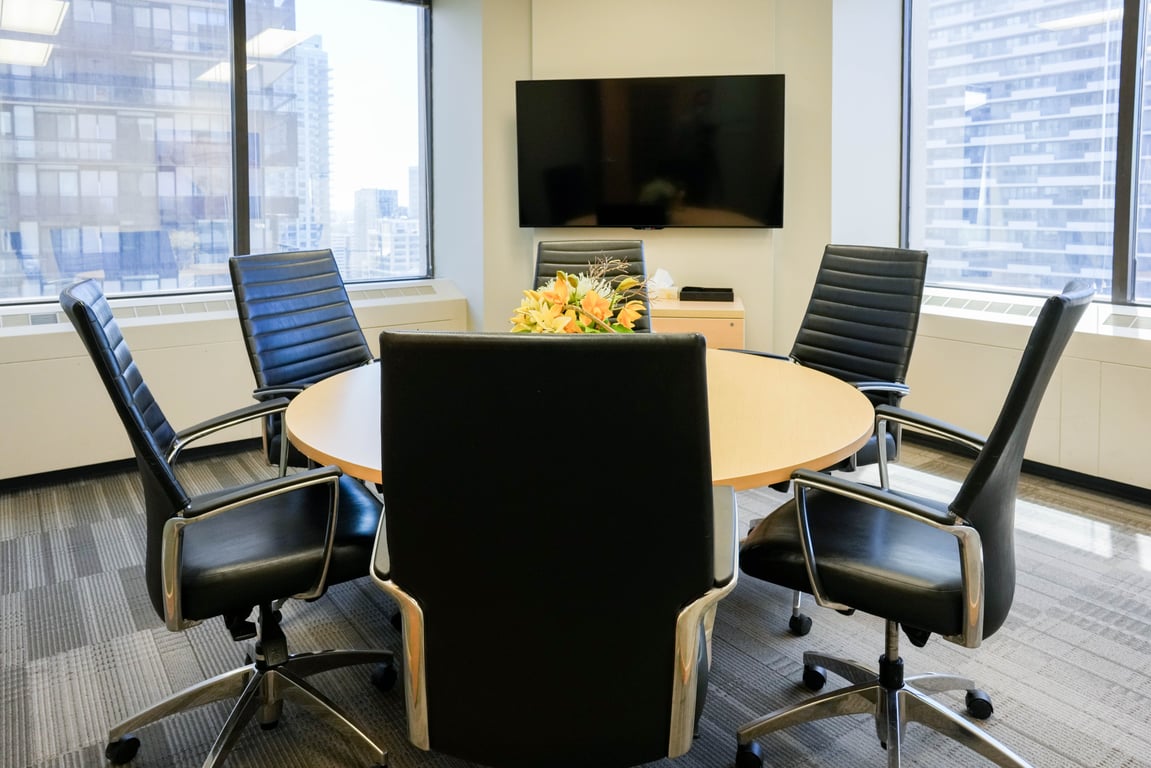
{"x": 595, "y": 305}
{"x": 629, "y": 313}
{"x": 560, "y": 290}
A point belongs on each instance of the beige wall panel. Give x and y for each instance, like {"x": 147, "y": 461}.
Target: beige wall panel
{"x": 959, "y": 382}
{"x": 1078, "y": 426}
{"x": 1125, "y": 423}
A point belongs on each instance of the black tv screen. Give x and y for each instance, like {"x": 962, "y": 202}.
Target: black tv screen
{"x": 702, "y": 151}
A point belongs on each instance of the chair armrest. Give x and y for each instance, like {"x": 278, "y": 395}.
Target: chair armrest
{"x": 893, "y": 387}
{"x": 758, "y": 353}
{"x": 970, "y": 544}
{"x": 928, "y": 425}
{"x": 694, "y": 623}
{"x": 223, "y": 421}
{"x": 207, "y": 506}
{"x": 285, "y": 390}
{"x": 725, "y": 536}
{"x": 414, "y": 669}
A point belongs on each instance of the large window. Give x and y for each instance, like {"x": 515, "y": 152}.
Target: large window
{"x": 119, "y": 150}
{"x": 1024, "y": 119}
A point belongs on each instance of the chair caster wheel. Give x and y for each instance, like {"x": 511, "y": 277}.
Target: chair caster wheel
{"x": 814, "y": 678}
{"x": 384, "y": 676}
{"x": 799, "y": 624}
{"x": 749, "y": 756}
{"x": 979, "y": 704}
{"x": 269, "y": 726}
{"x": 122, "y": 750}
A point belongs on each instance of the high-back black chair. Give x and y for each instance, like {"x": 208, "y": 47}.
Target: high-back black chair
{"x": 589, "y": 543}
{"x": 574, "y": 256}
{"x": 299, "y": 327}
{"x": 860, "y": 327}
{"x": 924, "y": 566}
{"x": 224, "y": 552}
{"x": 860, "y": 324}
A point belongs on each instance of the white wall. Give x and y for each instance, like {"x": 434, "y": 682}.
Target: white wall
{"x": 865, "y": 121}
{"x": 525, "y": 39}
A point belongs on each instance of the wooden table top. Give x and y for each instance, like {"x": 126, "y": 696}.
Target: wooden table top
{"x": 767, "y": 418}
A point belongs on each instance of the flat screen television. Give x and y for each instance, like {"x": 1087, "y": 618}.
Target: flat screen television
{"x": 700, "y": 151}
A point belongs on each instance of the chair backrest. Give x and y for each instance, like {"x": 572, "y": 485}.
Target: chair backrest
{"x": 864, "y": 310}
{"x": 151, "y": 435}
{"x": 574, "y": 256}
{"x": 550, "y": 538}
{"x": 298, "y": 323}
{"x": 987, "y": 497}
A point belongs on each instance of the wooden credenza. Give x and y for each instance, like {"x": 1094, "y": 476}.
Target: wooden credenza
{"x": 721, "y": 322}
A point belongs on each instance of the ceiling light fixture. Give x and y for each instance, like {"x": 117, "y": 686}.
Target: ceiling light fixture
{"x": 22, "y": 53}
{"x": 34, "y": 17}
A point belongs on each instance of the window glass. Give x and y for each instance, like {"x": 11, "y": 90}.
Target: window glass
{"x": 117, "y": 154}
{"x": 1141, "y": 262}
{"x": 1012, "y": 141}
{"x": 335, "y": 146}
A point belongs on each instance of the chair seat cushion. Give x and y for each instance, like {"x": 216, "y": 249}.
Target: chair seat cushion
{"x": 272, "y": 549}
{"x": 873, "y": 560}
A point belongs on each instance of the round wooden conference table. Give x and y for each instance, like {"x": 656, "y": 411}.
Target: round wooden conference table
{"x": 767, "y": 418}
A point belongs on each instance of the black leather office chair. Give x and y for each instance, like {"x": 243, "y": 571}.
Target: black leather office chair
{"x": 574, "y": 256}
{"x": 588, "y": 542}
{"x": 299, "y": 327}
{"x": 860, "y": 326}
{"x": 924, "y": 566}
{"x": 225, "y": 552}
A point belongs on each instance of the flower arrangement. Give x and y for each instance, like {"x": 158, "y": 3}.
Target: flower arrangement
{"x": 583, "y": 303}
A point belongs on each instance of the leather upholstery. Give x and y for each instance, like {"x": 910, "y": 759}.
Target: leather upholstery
{"x": 298, "y": 324}
{"x": 573, "y": 256}
{"x": 863, "y": 313}
{"x": 269, "y": 549}
{"x": 900, "y": 569}
{"x": 861, "y": 321}
{"x": 572, "y": 532}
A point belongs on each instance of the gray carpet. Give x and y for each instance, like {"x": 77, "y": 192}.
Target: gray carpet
{"x": 1070, "y": 673}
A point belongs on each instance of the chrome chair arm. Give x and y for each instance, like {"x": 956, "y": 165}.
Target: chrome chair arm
{"x": 918, "y": 422}
{"x": 230, "y": 419}
{"x": 208, "y": 506}
{"x": 970, "y": 544}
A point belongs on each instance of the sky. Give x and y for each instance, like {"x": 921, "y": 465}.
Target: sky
{"x": 374, "y": 115}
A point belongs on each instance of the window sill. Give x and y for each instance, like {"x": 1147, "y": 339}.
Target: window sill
{"x": 1100, "y": 319}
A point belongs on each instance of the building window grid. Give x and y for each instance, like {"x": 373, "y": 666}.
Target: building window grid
{"x": 188, "y": 191}
{"x": 984, "y": 183}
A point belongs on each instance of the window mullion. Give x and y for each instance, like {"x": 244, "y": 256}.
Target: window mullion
{"x": 1126, "y": 154}
{"x": 241, "y": 217}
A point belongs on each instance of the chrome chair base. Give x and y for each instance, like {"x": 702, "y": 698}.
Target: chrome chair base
{"x": 260, "y": 690}
{"x": 892, "y": 707}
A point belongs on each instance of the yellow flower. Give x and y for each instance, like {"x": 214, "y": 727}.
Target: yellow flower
{"x": 559, "y": 292}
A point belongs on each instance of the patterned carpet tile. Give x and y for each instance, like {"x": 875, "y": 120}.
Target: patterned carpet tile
{"x": 81, "y": 646}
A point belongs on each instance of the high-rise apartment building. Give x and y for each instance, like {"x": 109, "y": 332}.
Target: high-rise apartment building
{"x": 116, "y": 144}
{"x": 1013, "y": 141}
